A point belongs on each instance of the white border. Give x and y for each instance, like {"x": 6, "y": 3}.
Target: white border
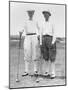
{"x": 4, "y": 40}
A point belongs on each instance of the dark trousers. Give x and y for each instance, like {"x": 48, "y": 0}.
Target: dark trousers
{"x": 48, "y": 50}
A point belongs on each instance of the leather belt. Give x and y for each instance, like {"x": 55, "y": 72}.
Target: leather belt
{"x": 47, "y": 35}
{"x": 31, "y": 34}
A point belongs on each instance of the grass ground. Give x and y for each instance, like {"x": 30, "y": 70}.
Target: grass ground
{"x": 29, "y": 81}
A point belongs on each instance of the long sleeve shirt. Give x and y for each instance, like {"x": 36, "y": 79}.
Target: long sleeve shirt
{"x": 47, "y": 28}
{"x": 30, "y": 27}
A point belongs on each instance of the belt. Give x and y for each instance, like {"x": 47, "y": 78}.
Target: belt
{"x": 31, "y": 34}
{"x": 47, "y": 35}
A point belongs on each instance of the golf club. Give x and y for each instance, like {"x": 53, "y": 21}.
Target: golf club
{"x": 18, "y": 62}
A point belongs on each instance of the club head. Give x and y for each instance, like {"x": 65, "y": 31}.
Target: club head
{"x": 17, "y": 80}
{"x": 37, "y": 81}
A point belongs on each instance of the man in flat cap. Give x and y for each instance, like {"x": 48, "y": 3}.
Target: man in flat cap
{"x": 30, "y": 43}
{"x": 48, "y": 44}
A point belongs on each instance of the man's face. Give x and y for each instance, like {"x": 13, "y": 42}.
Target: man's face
{"x": 46, "y": 16}
{"x": 30, "y": 15}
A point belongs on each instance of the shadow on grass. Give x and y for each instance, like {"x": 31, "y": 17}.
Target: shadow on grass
{"x": 48, "y": 77}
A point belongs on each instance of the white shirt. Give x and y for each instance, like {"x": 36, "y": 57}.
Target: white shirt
{"x": 30, "y": 27}
{"x": 47, "y": 28}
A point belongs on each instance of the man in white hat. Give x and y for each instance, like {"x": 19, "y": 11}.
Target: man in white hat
{"x": 30, "y": 43}
{"x": 48, "y": 44}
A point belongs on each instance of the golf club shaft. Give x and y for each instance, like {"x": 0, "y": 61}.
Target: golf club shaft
{"x": 19, "y": 56}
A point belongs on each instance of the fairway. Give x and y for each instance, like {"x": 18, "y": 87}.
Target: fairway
{"x": 29, "y": 81}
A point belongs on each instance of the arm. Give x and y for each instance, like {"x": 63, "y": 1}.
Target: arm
{"x": 37, "y": 30}
{"x": 40, "y": 36}
{"x": 54, "y": 36}
{"x": 24, "y": 30}
{"x": 40, "y": 39}
{"x": 39, "y": 33}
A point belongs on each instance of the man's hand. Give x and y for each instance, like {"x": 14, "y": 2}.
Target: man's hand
{"x": 53, "y": 42}
{"x": 24, "y": 33}
{"x": 40, "y": 42}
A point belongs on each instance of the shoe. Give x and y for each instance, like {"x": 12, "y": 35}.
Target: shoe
{"x": 46, "y": 74}
{"x": 39, "y": 79}
{"x": 36, "y": 73}
{"x": 25, "y": 74}
{"x": 52, "y": 76}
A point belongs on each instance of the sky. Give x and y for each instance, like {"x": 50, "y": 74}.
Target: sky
{"x": 18, "y": 16}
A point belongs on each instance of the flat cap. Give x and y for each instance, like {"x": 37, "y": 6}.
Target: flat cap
{"x": 46, "y": 12}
